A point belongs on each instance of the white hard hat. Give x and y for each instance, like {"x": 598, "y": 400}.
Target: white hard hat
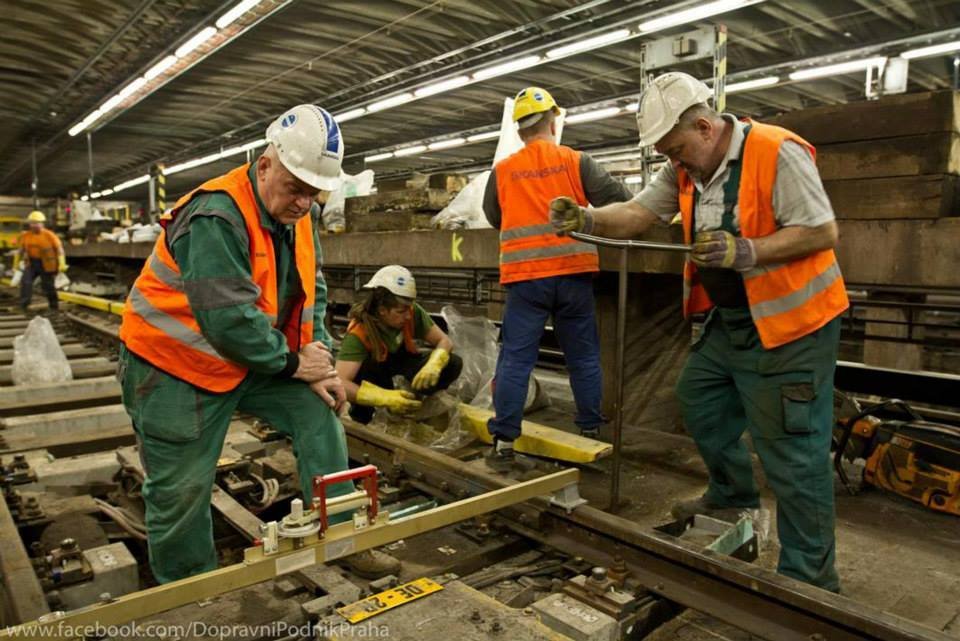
{"x": 664, "y": 101}
{"x": 395, "y": 278}
{"x": 309, "y": 145}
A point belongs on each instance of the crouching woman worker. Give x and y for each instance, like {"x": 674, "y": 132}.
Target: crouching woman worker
{"x": 381, "y": 343}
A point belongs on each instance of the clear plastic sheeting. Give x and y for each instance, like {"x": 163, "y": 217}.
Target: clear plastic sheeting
{"x": 38, "y": 357}
{"x": 333, "y": 217}
{"x": 475, "y": 340}
{"x": 465, "y": 211}
{"x": 434, "y": 425}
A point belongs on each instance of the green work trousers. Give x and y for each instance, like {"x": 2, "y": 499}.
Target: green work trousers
{"x": 181, "y": 429}
{"x": 784, "y": 396}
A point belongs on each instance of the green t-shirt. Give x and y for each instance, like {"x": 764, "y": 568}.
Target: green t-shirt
{"x": 351, "y": 349}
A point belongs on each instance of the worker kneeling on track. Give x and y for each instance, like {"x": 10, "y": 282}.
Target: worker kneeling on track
{"x": 764, "y": 271}
{"x": 381, "y": 343}
{"x": 227, "y": 315}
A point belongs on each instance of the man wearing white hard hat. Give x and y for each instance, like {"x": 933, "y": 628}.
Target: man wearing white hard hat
{"x": 764, "y": 273}
{"x": 381, "y": 343}
{"x": 227, "y": 315}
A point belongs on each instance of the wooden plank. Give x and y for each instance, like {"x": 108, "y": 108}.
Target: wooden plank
{"x": 405, "y": 200}
{"x": 376, "y": 221}
{"x": 81, "y": 368}
{"x": 937, "y": 153}
{"x": 917, "y": 253}
{"x": 903, "y": 115}
{"x": 932, "y": 196}
{"x": 73, "y": 350}
{"x": 24, "y": 598}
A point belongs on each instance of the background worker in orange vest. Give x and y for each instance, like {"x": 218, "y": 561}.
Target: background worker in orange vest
{"x": 381, "y": 343}
{"x": 41, "y": 254}
{"x": 545, "y": 275}
{"x": 226, "y": 315}
{"x": 764, "y": 270}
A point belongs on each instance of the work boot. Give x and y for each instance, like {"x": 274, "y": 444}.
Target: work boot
{"x": 590, "y": 432}
{"x": 371, "y": 564}
{"x": 683, "y": 510}
{"x": 502, "y": 459}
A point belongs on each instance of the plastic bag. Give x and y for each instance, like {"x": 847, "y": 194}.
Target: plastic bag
{"x": 16, "y": 278}
{"x": 361, "y": 184}
{"x": 475, "y": 340}
{"x": 61, "y": 281}
{"x": 38, "y": 357}
{"x": 465, "y": 211}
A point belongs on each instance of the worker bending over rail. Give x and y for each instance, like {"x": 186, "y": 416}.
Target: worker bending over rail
{"x": 764, "y": 272}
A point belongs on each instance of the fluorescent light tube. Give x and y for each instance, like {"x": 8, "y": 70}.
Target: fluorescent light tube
{"x": 139, "y": 180}
{"x": 442, "y": 86}
{"x": 487, "y": 135}
{"x": 838, "y": 69}
{"x": 447, "y": 144}
{"x": 350, "y": 115}
{"x": 693, "y": 14}
{"x": 747, "y": 85}
{"x": 390, "y": 102}
{"x": 410, "y": 151}
{"x": 596, "y": 114}
{"x": 234, "y": 13}
{"x": 195, "y": 42}
{"x": 133, "y": 87}
{"x": 376, "y": 157}
{"x": 932, "y": 50}
{"x": 590, "y": 43}
{"x": 160, "y": 67}
{"x": 506, "y": 67}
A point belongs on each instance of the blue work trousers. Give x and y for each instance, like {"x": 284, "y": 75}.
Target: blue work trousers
{"x": 569, "y": 300}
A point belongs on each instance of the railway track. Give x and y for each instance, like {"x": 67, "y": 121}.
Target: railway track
{"x": 83, "y": 417}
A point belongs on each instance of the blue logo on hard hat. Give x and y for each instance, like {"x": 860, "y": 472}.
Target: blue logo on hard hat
{"x": 401, "y": 281}
{"x": 288, "y": 120}
{"x": 333, "y": 132}
{"x": 538, "y": 96}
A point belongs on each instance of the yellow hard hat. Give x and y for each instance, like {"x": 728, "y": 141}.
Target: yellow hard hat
{"x": 532, "y": 101}
{"x": 36, "y": 216}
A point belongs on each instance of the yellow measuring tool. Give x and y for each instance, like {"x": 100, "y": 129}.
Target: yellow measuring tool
{"x": 378, "y": 603}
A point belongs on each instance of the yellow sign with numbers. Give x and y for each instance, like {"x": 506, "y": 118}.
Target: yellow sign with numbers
{"x": 374, "y": 605}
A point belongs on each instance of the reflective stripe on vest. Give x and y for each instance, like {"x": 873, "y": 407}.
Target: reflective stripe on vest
{"x": 158, "y": 322}
{"x": 526, "y": 183}
{"x": 787, "y": 301}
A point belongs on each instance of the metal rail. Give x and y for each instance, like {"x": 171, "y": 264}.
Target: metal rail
{"x": 750, "y": 598}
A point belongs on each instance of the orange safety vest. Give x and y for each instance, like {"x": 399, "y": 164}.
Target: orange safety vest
{"x": 43, "y": 246}
{"x": 409, "y": 340}
{"x": 158, "y": 324}
{"x": 789, "y": 300}
{"x": 526, "y": 183}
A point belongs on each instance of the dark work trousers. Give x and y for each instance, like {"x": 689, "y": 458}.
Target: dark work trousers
{"x": 34, "y": 269}
{"x": 405, "y": 364}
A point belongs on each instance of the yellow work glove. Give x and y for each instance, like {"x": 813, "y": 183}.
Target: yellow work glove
{"x": 724, "y": 250}
{"x": 398, "y": 401}
{"x": 429, "y": 374}
{"x": 567, "y": 216}
{"x": 62, "y": 263}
